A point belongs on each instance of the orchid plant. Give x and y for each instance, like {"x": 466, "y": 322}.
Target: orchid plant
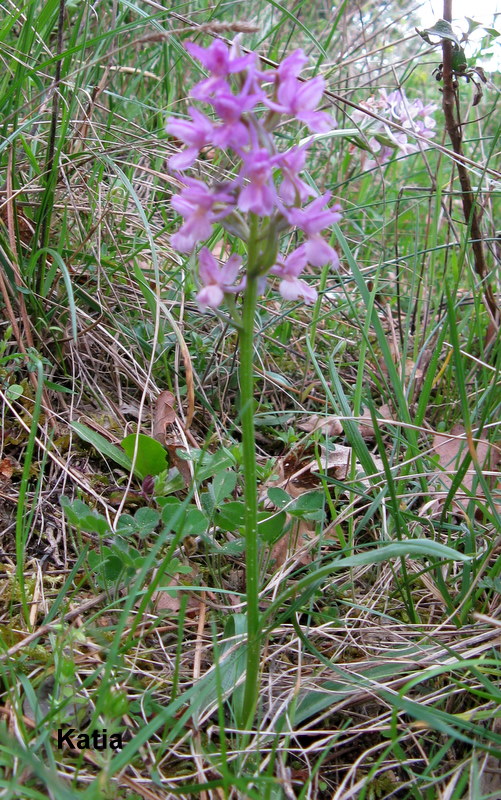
{"x": 265, "y": 200}
{"x": 413, "y": 115}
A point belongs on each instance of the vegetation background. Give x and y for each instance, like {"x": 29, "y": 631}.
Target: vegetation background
{"x": 122, "y": 568}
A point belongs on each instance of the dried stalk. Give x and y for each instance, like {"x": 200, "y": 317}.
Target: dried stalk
{"x": 450, "y": 105}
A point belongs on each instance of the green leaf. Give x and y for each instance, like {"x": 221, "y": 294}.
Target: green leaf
{"x": 84, "y": 518}
{"x": 472, "y": 25}
{"x": 270, "y": 529}
{"x": 14, "y": 391}
{"x": 192, "y": 522}
{"x": 491, "y": 583}
{"x": 309, "y": 506}
{"x": 55, "y": 387}
{"x": 208, "y": 464}
{"x": 441, "y": 28}
{"x": 231, "y": 517}
{"x": 233, "y": 549}
{"x": 278, "y": 378}
{"x": 106, "y": 566}
{"x": 102, "y": 445}
{"x": 278, "y": 497}
{"x": 151, "y": 457}
{"x": 144, "y": 522}
{"x": 222, "y": 485}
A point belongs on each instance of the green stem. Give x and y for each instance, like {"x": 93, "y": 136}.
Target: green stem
{"x": 246, "y": 346}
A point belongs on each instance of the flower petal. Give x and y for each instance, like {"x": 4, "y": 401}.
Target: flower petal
{"x": 184, "y": 159}
{"x": 210, "y": 296}
{"x": 229, "y": 271}
{"x": 207, "y": 267}
{"x": 294, "y": 288}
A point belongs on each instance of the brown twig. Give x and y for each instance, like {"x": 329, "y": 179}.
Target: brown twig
{"x": 450, "y": 104}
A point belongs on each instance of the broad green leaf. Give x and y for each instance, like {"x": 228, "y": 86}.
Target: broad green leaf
{"x": 309, "y": 506}
{"x": 278, "y": 497}
{"x": 151, "y": 457}
{"x": 14, "y": 391}
{"x": 222, "y": 485}
{"x": 270, "y": 528}
{"x": 143, "y": 522}
{"x": 231, "y": 517}
{"x": 472, "y": 25}
{"x": 441, "y": 28}
{"x": 102, "y": 445}
{"x": 192, "y": 522}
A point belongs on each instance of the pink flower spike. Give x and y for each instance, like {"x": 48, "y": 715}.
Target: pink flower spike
{"x": 299, "y": 99}
{"x": 210, "y": 296}
{"x": 301, "y": 96}
{"x": 217, "y": 280}
{"x": 291, "y": 287}
{"x": 293, "y": 264}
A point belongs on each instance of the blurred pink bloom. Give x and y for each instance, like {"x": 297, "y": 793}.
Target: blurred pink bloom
{"x": 259, "y": 195}
{"x": 217, "y": 280}
{"x": 412, "y": 115}
{"x": 196, "y": 204}
{"x": 196, "y": 133}
{"x": 291, "y": 287}
{"x": 299, "y": 99}
{"x": 293, "y": 188}
{"x": 219, "y": 59}
{"x": 312, "y": 220}
{"x": 292, "y": 65}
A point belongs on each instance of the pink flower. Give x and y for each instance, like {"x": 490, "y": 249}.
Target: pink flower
{"x": 299, "y": 99}
{"x": 196, "y": 133}
{"x": 293, "y": 189}
{"x": 230, "y": 108}
{"x": 196, "y": 204}
{"x": 259, "y": 195}
{"x": 291, "y": 66}
{"x": 219, "y": 59}
{"x": 312, "y": 220}
{"x": 217, "y": 280}
{"x": 268, "y": 184}
{"x": 291, "y": 287}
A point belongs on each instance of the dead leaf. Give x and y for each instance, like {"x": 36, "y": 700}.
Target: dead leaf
{"x": 6, "y": 468}
{"x": 452, "y": 448}
{"x": 165, "y": 432}
{"x": 315, "y": 422}
{"x": 334, "y": 462}
{"x": 164, "y": 415}
{"x": 292, "y": 542}
{"x": 366, "y": 427}
{"x": 171, "y": 601}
